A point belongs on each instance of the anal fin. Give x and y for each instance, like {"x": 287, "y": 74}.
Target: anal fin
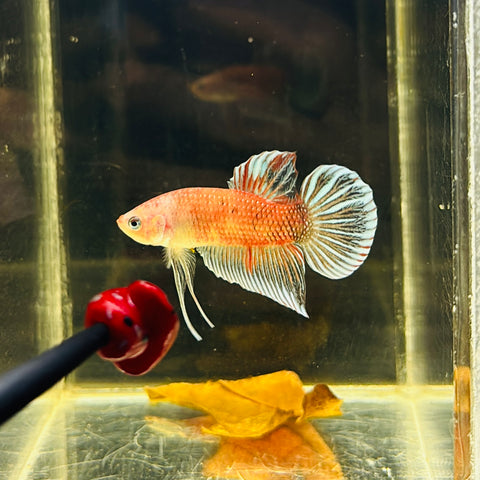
{"x": 182, "y": 261}
{"x": 276, "y": 272}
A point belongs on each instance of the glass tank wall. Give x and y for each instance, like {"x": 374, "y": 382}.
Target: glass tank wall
{"x": 104, "y": 105}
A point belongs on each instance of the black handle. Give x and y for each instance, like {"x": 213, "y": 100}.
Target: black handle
{"x": 21, "y": 385}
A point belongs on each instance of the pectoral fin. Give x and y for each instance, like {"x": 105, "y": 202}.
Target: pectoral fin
{"x": 182, "y": 261}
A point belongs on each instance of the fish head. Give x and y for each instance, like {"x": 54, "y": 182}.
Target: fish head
{"x": 143, "y": 225}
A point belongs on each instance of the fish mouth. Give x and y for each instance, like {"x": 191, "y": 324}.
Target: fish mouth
{"x": 122, "y": 225}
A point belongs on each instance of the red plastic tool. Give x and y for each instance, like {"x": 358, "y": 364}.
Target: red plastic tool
{"x": 141, "y": 322}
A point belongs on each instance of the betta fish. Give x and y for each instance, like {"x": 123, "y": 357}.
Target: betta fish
{"x": 260, "y": 231}
{"x": 240, "y": 82}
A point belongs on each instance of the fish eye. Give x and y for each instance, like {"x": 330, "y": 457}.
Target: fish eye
{"x": 134, "y": 223}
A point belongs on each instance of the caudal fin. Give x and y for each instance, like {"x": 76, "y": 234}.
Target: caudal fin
{"x": 343, "y": 219}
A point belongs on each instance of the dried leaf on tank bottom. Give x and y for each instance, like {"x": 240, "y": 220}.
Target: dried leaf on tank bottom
{"x": 284, "y": 454}
{"x": 249, "y": 407}
{"x": 321, "y": 402}
{"x": 263, "y": 426}
{"x": 190, "y": 428}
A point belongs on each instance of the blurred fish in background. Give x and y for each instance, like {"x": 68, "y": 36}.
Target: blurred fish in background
{"x": 240, "y": 82}
{"x": 276, "y": 85}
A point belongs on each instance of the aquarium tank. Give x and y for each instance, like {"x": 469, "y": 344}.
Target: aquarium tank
{"x": 104, "y": 105}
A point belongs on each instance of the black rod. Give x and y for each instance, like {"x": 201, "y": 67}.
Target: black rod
{"x": 20, "y": 386}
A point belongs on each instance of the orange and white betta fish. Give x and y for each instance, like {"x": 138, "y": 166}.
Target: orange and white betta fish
{"x": 260, "y": 231}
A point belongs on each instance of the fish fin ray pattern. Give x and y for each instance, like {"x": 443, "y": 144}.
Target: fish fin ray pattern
{"x": 182, "y": 261}
{"x": 275, "y": 272}
{"x": 343, "y": 218}
{"x": 271, "y": 175}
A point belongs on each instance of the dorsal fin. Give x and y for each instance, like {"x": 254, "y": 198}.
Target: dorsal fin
{"x": 271, "y": 175}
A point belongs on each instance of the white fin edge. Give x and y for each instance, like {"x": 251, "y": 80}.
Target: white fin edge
{"x": 343, "y": 218}
{"x": 270, "y": 175}
{"x": 275, "y": 272}
{"x": 182, "y": 262}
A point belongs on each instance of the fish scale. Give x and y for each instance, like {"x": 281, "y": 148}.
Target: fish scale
{"x": 233, "y": 218}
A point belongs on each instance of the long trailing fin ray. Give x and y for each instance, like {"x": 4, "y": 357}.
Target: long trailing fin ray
{"x": 275, "y": 272}
{"x": 180, "y": 284}
{"x": 182, "y": 262}
{"x": 197, "y": 303}
{"x": 343, "y": 220}
{"x": 271, "y": 175}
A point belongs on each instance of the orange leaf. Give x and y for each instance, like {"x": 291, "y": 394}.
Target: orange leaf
{"x": 249, "y": 407}
{"x": 282, "y": 454}
{"x": 262, "y": 424}
{"x": 321, "y": 402}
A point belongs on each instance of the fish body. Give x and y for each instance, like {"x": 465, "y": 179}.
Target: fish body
{"x": 196, "y": 217}
{"x": 260, "y": 231}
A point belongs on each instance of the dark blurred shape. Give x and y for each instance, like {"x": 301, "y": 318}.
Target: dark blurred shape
{"x": 16, "y": 202}
{"x": 294, "y": 33}
{"x": 16, "y": 126}
{"x": 157, "y": 102}
{"x": 240, "y": 82}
